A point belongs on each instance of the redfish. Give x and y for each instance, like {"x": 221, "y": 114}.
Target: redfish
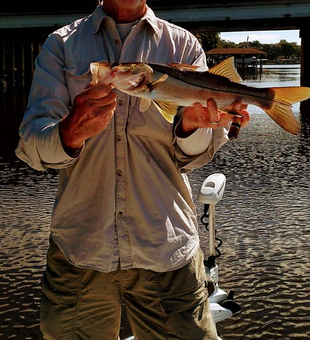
{"x": 173, "y": 85}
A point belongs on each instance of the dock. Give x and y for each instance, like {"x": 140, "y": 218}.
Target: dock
{"x": 248, "y": 61}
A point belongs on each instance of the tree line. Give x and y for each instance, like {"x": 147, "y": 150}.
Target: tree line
{"x": 281, "y": 52}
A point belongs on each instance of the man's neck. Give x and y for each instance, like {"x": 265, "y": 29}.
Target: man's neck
{"x": 123, "y": 15}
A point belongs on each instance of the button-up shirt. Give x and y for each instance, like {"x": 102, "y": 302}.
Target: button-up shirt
{"x": 126, "y": 198}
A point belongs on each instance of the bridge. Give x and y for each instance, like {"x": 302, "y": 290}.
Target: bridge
{"x": 195, "y": 15}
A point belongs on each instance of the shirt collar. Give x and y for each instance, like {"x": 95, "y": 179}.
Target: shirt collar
{"x": 149, "y": 17}
{"x": 97, "y": 18}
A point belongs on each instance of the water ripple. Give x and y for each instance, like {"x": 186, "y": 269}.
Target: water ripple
{"x": 263, "y": 220}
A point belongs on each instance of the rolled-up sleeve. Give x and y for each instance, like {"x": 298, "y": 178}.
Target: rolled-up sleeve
{"x": 196, "y": 143}
{"x": 188, "y": 162}
{"x": 40, "y": 145}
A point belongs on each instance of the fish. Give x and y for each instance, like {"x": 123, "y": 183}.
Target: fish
{"x": 171, "y": 86}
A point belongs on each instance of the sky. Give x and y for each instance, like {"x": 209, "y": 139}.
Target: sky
{"x": 264, "y": 37}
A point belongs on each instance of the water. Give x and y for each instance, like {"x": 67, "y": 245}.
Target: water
{"x": 263, "y": 220}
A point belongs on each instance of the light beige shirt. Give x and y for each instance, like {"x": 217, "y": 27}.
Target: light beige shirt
{"x": 126, "y": 198}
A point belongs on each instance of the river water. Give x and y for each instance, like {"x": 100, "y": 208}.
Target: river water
{"x": 263, "y": 220}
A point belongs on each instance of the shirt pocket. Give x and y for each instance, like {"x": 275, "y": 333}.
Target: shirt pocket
{"x": 185, "y": 301}
{"x": 78, "y": 78}
{"x": 150, "y": 124}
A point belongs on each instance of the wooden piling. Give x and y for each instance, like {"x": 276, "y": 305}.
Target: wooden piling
{"x": 305, "y": 71}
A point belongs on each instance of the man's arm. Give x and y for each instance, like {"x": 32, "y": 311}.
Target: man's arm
{"x": 52, "y": 128}
{"x": 201, "y": 131}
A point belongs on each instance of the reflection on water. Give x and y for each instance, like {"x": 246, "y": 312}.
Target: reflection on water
{"x": 271, "y": 77}
{"x": 26, "y": 199}
{"x": 263, "y": 219}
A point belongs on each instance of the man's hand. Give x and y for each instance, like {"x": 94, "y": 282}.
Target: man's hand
{"x": 197, "y": 116}
{"x": 91, "y": 113}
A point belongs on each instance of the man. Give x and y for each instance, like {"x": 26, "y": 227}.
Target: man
{"x": 124, "y": 223}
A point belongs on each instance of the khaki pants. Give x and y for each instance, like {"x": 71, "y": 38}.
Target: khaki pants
{"x": 86, "y": 304}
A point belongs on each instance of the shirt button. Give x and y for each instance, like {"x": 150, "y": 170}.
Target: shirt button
{"x": 118, "y": 138}
{"x": 119, "y": 172}
{"x": 119, "y": 214}
{"x": 120, "y": 102}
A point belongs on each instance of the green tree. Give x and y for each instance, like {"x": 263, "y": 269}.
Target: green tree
{"x": 209, "y": 40}
{"x": 255, "y": 44}
{"x": 286, "y": 49}
{"x": 272, "y": 51}
{"x": 296, "y": 51}
{"x": 227, "y": 44}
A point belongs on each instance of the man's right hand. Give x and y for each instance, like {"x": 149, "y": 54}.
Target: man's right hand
{"x": 91, "y": 113}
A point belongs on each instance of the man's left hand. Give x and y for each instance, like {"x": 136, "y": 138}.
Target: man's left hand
{"x": 198, "y": 116}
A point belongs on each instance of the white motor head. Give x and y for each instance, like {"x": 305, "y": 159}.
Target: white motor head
{"x": 212, "y": 189}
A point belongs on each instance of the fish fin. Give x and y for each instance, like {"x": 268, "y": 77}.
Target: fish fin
{"x": 184, "y": 66}
{"x": 226, "y": 69}
{"x": 144, "y": 104}
{"x": 281, "y": 110}
{"x": 167, "y": 109}
{"x": 160, "y": 80}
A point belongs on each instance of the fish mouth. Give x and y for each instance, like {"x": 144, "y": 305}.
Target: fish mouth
{"x": 127, "y": 80}
{"x": 138, "y": 85}
{"x": 142, "y": 82}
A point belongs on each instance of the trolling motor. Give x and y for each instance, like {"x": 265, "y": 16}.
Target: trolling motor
{"x": 221, "y": 303}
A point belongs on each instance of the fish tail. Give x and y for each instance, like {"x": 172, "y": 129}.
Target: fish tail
{"x": 281, "y": 109}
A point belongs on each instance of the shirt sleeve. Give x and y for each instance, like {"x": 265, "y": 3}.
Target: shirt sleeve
{"x": 40, "y": 144}
{"x": 196, "y": 143}
{"x": 188, "y": 159}
{"x": 185, "y": 151}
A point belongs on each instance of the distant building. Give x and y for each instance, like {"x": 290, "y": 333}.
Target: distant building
{"x": 248, "y": 61}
